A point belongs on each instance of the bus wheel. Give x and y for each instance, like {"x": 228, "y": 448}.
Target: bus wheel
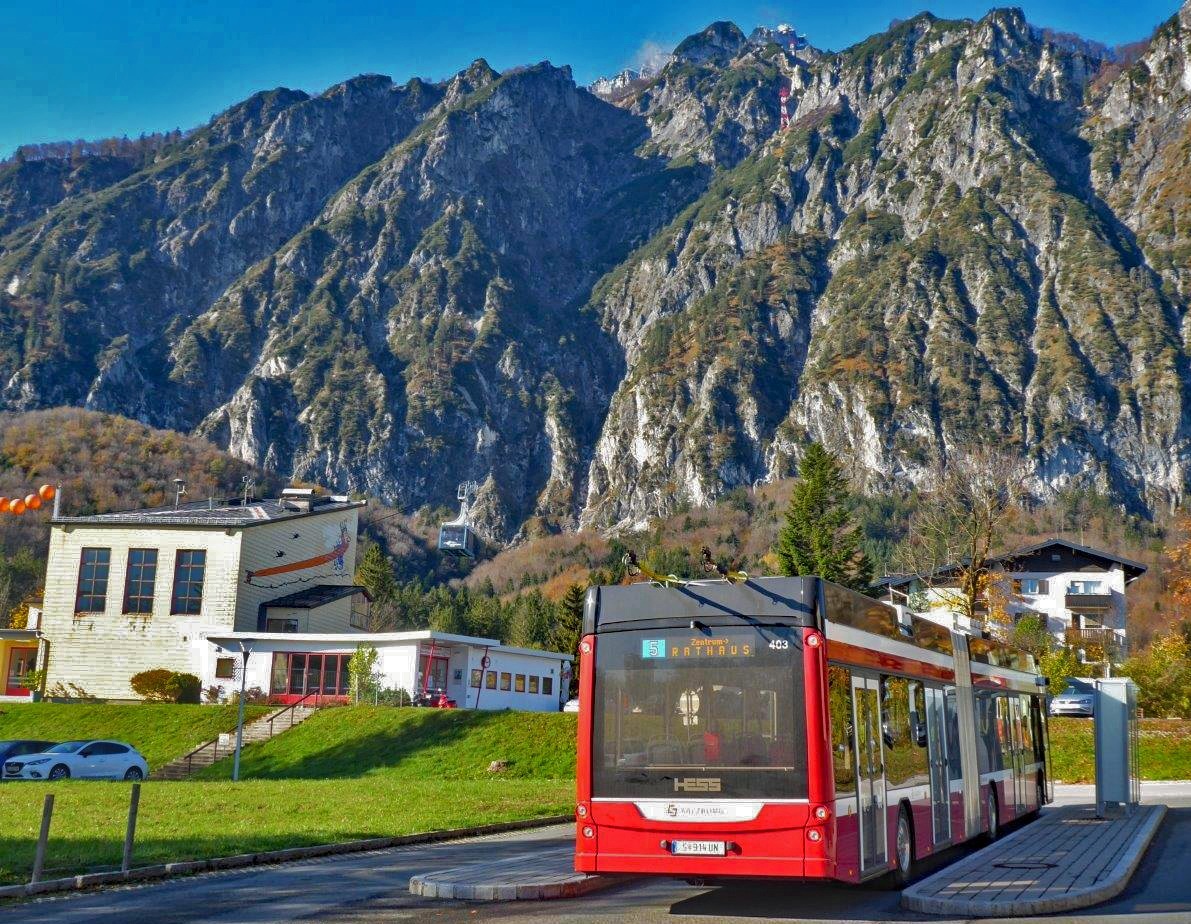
{"x": 903, "y": 846}
{"x": 994, "y": 820}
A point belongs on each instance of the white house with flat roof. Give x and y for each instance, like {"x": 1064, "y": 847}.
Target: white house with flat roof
{"x": 135, "y": 590}
{"x": 478, "y": 673}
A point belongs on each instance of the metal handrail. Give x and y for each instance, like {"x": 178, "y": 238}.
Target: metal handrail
{"x": 214, "y": 744}
{"x": 317, "y": 694}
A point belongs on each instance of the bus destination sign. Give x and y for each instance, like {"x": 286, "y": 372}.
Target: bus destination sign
{"x": 700, "y": 647}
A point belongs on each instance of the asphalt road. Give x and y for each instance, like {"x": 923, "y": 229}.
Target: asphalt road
{"x": 360, "y": 888}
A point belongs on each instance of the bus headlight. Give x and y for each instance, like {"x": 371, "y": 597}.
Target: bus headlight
{"x": 822, "y": 812}
{"x": 581, "y": 810}
{"x": 588, "y": 831}
{"x": 814, "y": 835}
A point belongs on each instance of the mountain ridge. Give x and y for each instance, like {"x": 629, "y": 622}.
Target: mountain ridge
{"x": 604, "y": 310}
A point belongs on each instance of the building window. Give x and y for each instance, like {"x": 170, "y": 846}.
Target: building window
{"x": 281, "y": 625}
{"x": 189, "y": 568}
{"x": 490, "y": 681}
{"x": 519, "y": 684}
{"x": 139, "y": 581}
{"x": 225, "y": 668}
{"x": 93, "y": 581}
{"x": 506, "y": 681}
{"x": 547, "y": 685}
{"x": 533, "y": 684}
{"x": 1032, "y": 586}
{"x": 1084, "y": 587}
{"x": 475, "y": 677}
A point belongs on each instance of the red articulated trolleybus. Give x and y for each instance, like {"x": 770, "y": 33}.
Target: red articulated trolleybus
{"x": 791, "y": 728}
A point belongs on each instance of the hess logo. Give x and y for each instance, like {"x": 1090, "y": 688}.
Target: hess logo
{"x": 697, "y": 784}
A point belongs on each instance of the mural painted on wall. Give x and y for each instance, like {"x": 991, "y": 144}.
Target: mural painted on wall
{"x": 337, "y": 542}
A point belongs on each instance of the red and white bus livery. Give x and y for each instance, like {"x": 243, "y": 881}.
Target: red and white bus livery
{"x": 790, "y": 728}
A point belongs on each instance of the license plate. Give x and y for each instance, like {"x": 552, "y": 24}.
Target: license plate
{"x": 698, "y": 848}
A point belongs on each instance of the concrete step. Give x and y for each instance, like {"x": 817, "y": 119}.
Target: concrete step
{"x": 254, "y": 732}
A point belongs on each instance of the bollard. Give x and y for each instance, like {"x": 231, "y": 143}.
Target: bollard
{"x": 130, "y": 834}
{"x": 47, "y": 812}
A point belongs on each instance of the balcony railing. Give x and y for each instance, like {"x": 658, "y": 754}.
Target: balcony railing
{"x": 1089, "y": 601}
{"x": 1098, "y": 643}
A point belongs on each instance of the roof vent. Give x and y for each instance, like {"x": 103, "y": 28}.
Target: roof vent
{"x": 298, "y": 498}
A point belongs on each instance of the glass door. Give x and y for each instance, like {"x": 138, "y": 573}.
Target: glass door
{"x": 20, "y": 662}
{"x": 940, "y": 788}
{"x": 870, "y": 773}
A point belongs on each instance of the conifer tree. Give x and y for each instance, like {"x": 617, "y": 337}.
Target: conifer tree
{"x": 568, "y": 628}
{"x": 819, "y": 536}
{"x": 375, "y": 573}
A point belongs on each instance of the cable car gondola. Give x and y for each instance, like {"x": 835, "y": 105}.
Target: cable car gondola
{"x": 456, "y": 537}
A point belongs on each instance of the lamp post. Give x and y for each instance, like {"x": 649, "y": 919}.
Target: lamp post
{"x": 244, "y": 651}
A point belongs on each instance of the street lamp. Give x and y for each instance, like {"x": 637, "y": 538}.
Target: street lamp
{"x": 244, "y": 652}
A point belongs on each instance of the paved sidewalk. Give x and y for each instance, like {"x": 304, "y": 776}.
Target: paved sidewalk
{"x": 1067, "y": 859}
{"x": 537, "y": 875}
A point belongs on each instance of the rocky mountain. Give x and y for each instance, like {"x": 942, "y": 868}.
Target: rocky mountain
{"x": 603, "y": 311}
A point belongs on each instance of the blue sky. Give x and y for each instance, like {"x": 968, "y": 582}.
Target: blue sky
{"x": 88, "y": 70}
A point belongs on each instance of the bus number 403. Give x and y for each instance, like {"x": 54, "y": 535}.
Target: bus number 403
{"x": 778, "y": 644}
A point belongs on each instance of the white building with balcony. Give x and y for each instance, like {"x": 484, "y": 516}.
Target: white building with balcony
{"x": 1079, "y": 593}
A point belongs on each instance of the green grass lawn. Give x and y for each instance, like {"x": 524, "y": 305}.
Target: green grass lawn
{"x": 186, "y": 821}
{"x": 343, "y": 774}
{"x": 1164, "y": 750}
{"x": 160, "y": 731}
{"x": 414, "y": 744}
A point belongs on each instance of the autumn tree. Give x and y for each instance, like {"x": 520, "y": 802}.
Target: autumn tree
{"x": 819, "y": 536}
{"x": 969, "y": 500}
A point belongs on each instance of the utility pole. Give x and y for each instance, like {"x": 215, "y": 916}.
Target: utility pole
{"x": 240, "y": 719}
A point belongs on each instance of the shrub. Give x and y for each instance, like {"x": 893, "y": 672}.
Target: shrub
{"x": 213, "y": 694}
{"x": 161, "y": 685}
{"x": 185, "y": 688}
{"x": 252, "y": 695}
{"x": 153, "y": 685}
{"x": 393, "y": 697}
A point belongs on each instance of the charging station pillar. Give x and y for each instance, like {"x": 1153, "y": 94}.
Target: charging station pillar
{"x": 1118, "y": 784}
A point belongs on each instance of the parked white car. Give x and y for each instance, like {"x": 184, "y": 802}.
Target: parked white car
{"x": 81, "y": 760}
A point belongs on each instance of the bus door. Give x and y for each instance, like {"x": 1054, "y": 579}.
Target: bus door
{"x": 940, "y": 785}
{"x": 1022, "y": 746}
{"x": 1009, "y": 720}
{"x": 870, "y": 772}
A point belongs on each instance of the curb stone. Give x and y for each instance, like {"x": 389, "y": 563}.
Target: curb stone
{"x": 1113, "y": 884}
{"x": 427, "y": 885}
{"x": 288, "y": 854}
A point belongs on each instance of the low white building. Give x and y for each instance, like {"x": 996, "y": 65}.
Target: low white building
{"x": 1078, "y": 592}
{"x": 478, "y": 673}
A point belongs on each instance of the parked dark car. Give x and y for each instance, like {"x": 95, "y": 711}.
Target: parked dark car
{"x": 20, "y": 747}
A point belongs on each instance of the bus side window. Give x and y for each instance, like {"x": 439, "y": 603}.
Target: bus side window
{"x": 895, "y": 730}
{"x": 839, "y": 701}
{"x": 1027, "y": 728}
{"x": 954, "y": 765}
{"x": 988, "y": 747}
{"x": 1004, "y": 726}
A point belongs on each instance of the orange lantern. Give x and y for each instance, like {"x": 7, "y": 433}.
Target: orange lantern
{"x": 32, "y": 501}
{"x": 5, "y": 503}
{"x": 18, "y": 506}
{"x": 47, "y": 492}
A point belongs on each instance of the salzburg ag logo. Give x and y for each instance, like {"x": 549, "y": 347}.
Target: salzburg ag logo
{"x": 697, "y": 784}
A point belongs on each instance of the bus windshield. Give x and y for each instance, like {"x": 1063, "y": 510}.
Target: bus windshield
{"x": 690, "y": 713}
